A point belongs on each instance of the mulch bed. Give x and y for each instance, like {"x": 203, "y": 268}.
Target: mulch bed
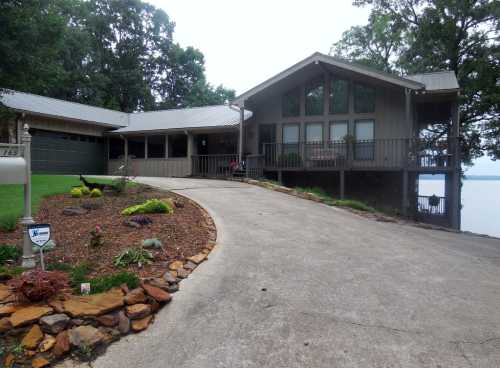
{"x": 183, "y": 234}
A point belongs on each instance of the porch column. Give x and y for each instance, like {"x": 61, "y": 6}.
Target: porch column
{"x": 408, "y": 116}
{"x": 190, "y": 147}
{"x": 404, "y": 202}
{"x": 166, "y": 146}
{"x": 240, "y": 140}
{"x": 145, "y": 147}
{"x": 342, "y": 184}
{"x": 125, "y": 155}
{"x": 455, "y": 191}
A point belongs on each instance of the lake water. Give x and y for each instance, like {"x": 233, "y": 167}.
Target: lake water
{"x": 480, "y": 200}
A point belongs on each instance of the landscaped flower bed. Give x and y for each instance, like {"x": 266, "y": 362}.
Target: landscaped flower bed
{"x": 133, "y": 264}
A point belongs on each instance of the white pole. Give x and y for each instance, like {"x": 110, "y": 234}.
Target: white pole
{"x": 28, "y": 257}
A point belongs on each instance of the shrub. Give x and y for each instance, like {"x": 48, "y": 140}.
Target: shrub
{"x": 8, "y": 252}
{"x": 139, "y": 256}
{"x": 96, "y": 193}
{"x": 96, "y": 237}
{"x": 79, "y": 274}
{"x": 8, "y": 222}
{"x": 7, "y": 273}
{"x": 101, "y": 284}
{"x": 150, "y": 206}
{"x": 76, "y": 192}
{"x": 37, "y": 285}
{"x": 119, "y": 184}
{"x": 357, "y": 205}
{"x": 85, "y": 190}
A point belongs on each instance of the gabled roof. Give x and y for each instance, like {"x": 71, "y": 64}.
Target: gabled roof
{"x": 52, "y": 107}
{"x": 188, "y": 118}
{"x": 437, "y": 81}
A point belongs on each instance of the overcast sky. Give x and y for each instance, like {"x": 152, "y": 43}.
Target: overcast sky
{"x": 246, "y": 42}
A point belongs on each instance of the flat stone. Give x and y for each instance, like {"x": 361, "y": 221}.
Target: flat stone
{"x": 138, "y": 311}
{"x": 54, "y": 323}
{"x": 159, "y": 283}
{"x": 108, "y": 320}
{"x": 167, "y": 276}
{"x": 31, "y": 340}
{"x": 182, "y": 273}
{"x": 175, "y": 265}
{"x": 87, "y": 336}
{"x": 9, "y": 360}
{"x": 5, "y": 292}
{"x": 190, "y": 265}
{"x": 198, "y": 258}
{"x": 62, "y": 345}
{"x": 5, "y": 325}
{"x": 131, "y": 223}
{"x": 7, "y": 310}
{"x": 27, "y": 315}
{"x": 57, "y": 305}
{"x": 141, "y": 324}
{"x": 123, "y": 323}
{"x": 161, "y": 296}
{"x": 94, "y": 305}
{"x": 135, "y": 296}
{"x": 47, "y": 343}
{"x": 173, "y": 288}
{"x": 74, "y": 211}
{"x": 40, "y": 362}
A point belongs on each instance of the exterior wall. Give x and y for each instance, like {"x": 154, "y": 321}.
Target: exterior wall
{"x": 64, "y": 126}
{"x": 170, "y": 167}
{"x": 390, "y": 116}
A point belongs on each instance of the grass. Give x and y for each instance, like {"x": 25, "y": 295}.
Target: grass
{"x": 12, "y": 195}
{"x": 327, "y": 199}
{"x": 318, "y": 192}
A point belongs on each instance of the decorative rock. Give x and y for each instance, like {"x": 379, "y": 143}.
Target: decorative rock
{"x": 138, "y": 311}
{"x": 9, "y": 361}
{"x": 74, "y": 211}
{"x": 141, "y": 324}
{"x": 173, "y": 273}
{"x": 93, "y": 305}
{"x": 109, "y": 334}
{"x": 124, "y": 288}
{"x": 200, "y": 257}
{"x": 7, "y": 310}
{"x": 54, "y": 323}
{"x": 62, "y": 345}
{"x": 28, "y": 315}
{"x": 159, "y": 283}
{"x": 161, "y": 296}
{"x": 152, "y": 243}
{"x": 47, "y": 343}
{"x": 5, "y": 325}
{"x": 190, "y": 265}
{"x": 5, "y": 292}
{"x": 40, "y": 362}
{"x": 135, "y": 296}
{"x": 173, "y": 288}
{"x": 167, "y": 276}
{"x": 87, "y": 336}
{"x": 175, "y": 265}
{"x": 182, "y": 273}
{"x": 131, "y": 223}
{"x": 108, "y": 320}
{"x": 123, "y": 323}
{"x": 32, "y": 338}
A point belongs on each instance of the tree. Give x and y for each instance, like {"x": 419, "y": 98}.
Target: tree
{"x": 458, "y": 35}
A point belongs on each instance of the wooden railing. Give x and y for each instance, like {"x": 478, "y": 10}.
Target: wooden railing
{"x": 214, "y": 165}
{"x": 431, "y": 205}
{"x": 366, "y": 154}
{"x": 254, "y": 165}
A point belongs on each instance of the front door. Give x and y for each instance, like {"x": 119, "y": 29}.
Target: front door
{"x": 202, "y": 144}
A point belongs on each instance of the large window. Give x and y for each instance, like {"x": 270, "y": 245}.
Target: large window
{"x": 116, "y": 148}
{"x": 177, "y": 145}
{"x": 291, "y": 133}
{"x": 267, "y": 134}
{"x": 365, "y": 144}
{"x": 156, "y": 146}
{"x": 338, "y": 130}
{"x": 339, "y": 96}
{"x": 364, "y": 98}
{"x": 314, "y": 132}
{"x": 290, "y": 104}
{"x": 136, "y": 147}
{"x": 315, "y": 98}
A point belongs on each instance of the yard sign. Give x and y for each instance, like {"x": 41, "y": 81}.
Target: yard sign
{"x": 39, "y": 235}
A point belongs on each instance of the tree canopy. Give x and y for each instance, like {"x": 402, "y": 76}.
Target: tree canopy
{"x": 117, "y": 54}
{"x": 415, "y": 36}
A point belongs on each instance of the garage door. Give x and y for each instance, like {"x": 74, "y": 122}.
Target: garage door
{"x": 62, "y": 153}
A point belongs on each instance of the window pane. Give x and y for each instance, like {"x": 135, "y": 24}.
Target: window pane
{"x": 364, "y": 130}
{"x": 338, "y": 130}
{"x": 314, "y": 98}
{"x": 136, "y": 147}
{"x": 177, "y": 145}
{"x": 339, "y": 96}
{"x": 364, "y": 98}
{"x": 156, "y": 146}
{"x": 314, "y": 132}
{"x": 267, "y": 134}
{"x": 116, "y": 148}
{"x": 290, "y": 133}
{"x": 291, "y": 103}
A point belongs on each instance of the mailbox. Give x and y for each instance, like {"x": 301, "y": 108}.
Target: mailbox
{"x": 12, "y": 170}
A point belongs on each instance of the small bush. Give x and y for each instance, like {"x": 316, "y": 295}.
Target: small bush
{"x": 37, "y": 285}
{"x": 95, "y": 193}
{"x": 76, "y": 193}
{"x": 132, "y": 256}
{"x": 102, "y": 284}
{"x": 59, "y": 266}
{"x": 8, "y": 222}
{"x": 119, "y": 185}
{"x": 150, "y": 206}
{"x": 79, "y": 274}
{"x": 96, "y": 239}
{"x": 85, "y": 190}
{"x": 8, "y": 252}
{"x": 10, "y": 272}
{"x": 357, "y": 205}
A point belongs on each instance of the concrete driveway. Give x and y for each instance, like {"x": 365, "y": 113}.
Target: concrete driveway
{"x": 293, "y": 283}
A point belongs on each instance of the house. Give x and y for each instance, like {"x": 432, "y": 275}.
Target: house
{"x": 324, "y": 121}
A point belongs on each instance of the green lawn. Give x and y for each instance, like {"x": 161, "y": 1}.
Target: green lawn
{"x": 12, "y": 196}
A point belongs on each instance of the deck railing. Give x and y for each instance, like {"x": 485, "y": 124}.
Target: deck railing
{"x": 214, "y": 165}
{"x": 365, "y": 154}
{"x": 432, "y": 205}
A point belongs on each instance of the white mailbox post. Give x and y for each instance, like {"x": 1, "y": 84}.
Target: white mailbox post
{"x": 15, "y": 168}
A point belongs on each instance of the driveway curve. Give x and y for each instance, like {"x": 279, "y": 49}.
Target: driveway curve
{"x": 294, "y": 283}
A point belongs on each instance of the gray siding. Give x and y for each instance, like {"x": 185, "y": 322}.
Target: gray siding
{"x": 170, "y": 167}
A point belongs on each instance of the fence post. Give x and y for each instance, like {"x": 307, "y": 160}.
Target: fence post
{"x": 28, "y": 257}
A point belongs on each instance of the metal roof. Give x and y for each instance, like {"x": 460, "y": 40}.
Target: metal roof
{"x": 52, "y": 107}
{"x": 188, "y": 118}
{"x": 437, "y": 81}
